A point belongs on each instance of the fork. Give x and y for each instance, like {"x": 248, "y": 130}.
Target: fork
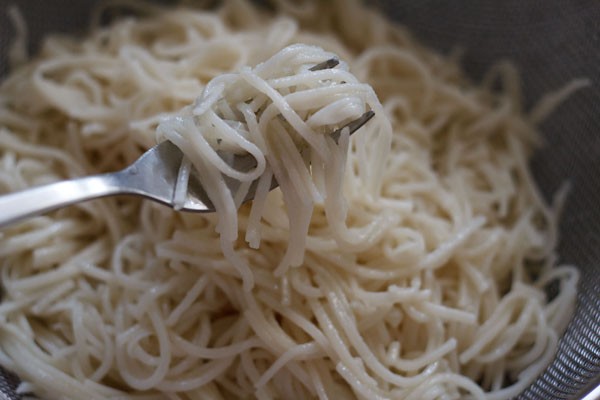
{"x": 153, "y": 176}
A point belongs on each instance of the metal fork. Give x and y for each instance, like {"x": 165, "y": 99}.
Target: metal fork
{"x": 153, "y": 176}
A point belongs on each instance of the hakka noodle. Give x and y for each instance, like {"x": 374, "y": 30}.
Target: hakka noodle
{"x": 408, "y": 261}
{"x": 283, "y": 113}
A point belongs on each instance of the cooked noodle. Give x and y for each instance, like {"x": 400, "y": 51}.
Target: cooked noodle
{"x": 282, "y": 113}
{"x": 409, "y": 261}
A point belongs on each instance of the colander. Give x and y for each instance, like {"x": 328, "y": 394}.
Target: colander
{"x": 551, "y": 42}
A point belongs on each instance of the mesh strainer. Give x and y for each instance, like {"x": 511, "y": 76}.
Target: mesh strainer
{"x": 551, "y": 42}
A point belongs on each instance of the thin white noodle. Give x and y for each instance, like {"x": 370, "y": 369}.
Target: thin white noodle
{"x": 181, "y": 184}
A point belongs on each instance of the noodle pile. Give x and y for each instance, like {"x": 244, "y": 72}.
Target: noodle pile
{"x": 414, "y": 267}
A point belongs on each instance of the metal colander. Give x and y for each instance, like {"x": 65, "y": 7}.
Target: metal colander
{"x": 551, "y": 42}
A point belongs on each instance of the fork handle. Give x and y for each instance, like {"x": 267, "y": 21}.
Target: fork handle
{"x": 30, "y": 202}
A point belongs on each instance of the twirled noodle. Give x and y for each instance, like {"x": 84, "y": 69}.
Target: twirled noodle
{"x": 410, "y": 261}
{"x": 282, "y": 113}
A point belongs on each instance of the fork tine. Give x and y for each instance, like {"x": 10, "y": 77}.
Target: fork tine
{"x": 246, "y": 161}
{"x": 353, "y": 125}
{"x": 332, "y": 62}
{"x": 249, "y": 162}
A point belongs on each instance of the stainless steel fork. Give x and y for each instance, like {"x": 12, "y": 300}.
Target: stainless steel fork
{"x": 153, "y": 176}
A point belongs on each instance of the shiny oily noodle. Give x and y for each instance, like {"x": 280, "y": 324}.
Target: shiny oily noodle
{"x": 431, "y": 286}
